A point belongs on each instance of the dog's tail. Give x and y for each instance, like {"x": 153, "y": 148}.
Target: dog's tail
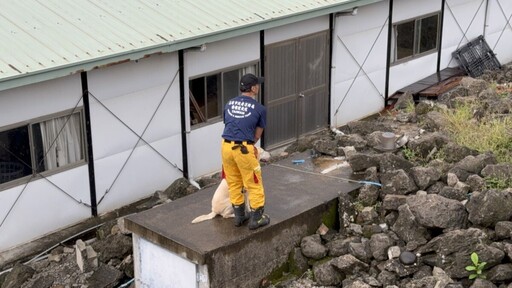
{"x": 204, "y": 217}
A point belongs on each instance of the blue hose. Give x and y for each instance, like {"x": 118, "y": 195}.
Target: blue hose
{"x": 370, "y": 183}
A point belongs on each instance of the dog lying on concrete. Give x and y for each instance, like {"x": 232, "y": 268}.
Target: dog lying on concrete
{"x": 221, "y": 205}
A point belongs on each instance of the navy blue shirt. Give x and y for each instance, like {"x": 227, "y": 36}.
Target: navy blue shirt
{"x": 242, "y": 115}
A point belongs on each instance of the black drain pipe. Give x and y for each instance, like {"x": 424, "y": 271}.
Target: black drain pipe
{"x": 388, "y": 58}
{"x": 332, "y": 36}
{"x": 184, "y": 150}
{"x": 262, "y": 73}
{"x": 440, "y": 43}
{"x": 88, "y": 132}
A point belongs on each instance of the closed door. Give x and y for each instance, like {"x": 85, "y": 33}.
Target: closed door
{"x": 296, "y": 88}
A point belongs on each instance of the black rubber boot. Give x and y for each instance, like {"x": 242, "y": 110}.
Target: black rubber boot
{"x": 258, "y": 219}
{"x": 240, "y": 215}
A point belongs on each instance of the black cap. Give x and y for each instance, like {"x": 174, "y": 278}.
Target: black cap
{"x": 249, "y": 80}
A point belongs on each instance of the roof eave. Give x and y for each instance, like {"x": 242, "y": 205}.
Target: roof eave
{"x": 112, "y": 59}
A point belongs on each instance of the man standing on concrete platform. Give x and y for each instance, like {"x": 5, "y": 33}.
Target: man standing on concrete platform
{"x": 244, "y": 120}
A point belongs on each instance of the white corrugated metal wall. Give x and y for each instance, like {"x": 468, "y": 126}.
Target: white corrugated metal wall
{"x": 464, "y": 21}
{"x": 128, "y": 101}
{"x": 358, "y": 64}
{"x": 42, "y": 205}
{"x": 498, "y": 29}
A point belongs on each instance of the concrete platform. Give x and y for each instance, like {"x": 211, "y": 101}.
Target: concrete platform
{"x": 297, "y": 195}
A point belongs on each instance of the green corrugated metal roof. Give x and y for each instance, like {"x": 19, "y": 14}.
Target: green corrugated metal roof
{"x": 45, "y": 39}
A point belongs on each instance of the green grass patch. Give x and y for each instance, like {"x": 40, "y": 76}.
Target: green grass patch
{"x": 497, "y": 183}
{"x": 490, "y": 134}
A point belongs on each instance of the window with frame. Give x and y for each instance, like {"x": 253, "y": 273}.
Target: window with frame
{"x": 416, "y": 37}
{"x": 208, "y": 94}
{"x": 40, "y": 146}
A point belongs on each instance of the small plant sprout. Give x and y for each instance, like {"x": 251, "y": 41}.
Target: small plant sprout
{"x": 477, "y": 268}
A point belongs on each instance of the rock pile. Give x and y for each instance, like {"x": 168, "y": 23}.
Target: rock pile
{"x": 419, "y": 227}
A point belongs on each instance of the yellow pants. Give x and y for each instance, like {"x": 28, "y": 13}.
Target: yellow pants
{"x": 243, "y": 170}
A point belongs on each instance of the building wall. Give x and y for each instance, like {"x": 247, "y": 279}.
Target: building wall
{"x": 498, "y": 32}
{"x": 41, "y": 206}
{"x": 403, "y": 74}
{"x": 359, "y": 64}
{"x": 464, "y": 21}
{"x": 128, "y": 101}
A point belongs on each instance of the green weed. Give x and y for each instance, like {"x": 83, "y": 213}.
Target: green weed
{"x": 477, "y": 268}
{"x": 415, "y": 157}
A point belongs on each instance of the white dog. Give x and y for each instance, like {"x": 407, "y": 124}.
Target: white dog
{"x": 221, "y": 205}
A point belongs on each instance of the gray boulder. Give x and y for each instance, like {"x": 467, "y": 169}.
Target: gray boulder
{"x": 433, "y": 121}
{"x": 387, "y": 278}
{"x": 115, "y": 246}
{"x": 338, "y": 247}
{"x": 500, "y": 273}
{"x": 503, "y": 229}
{"x": 424, "y": 145}
{"x": 407, "y": 228}
{"x": 379, "y": 244}
{"x": 499, "y": 171}
{"x": 397, "y": 182}
{"x": 475, "y": 164}
{"x": 424, "y": 177}
{"x": 474, "y": 86}
{"x": 429, "y": 281}
{"x": 368, "y": 195}
{"x": 326, "y": 274}
{"x": 389, "y": 162}
{"x": 434, "y": 211}
{"x": 347, "y": 283}
{"x": 312, "y": 247}
{"x": 453, "y": 193}
{"x": 451, "y": 251}
{"x": 395, "y": 266}
{"x": 360, "y": 162}
{"x": 482, "y": 283}
{"x": 326, "y": 146}
{"x": 486, "y": 208}
{"x": 454, "y": 152}
{"x": 355, "y": 140}
{"x": 392, "y": 202}
{"x": 18, "y": 275}
{"x": 180, "y": 188}
{"x": 360, "y": 250}
{"x": 475, "y": 182}
{"x": 349, "y": 265}
{"x": 105, "y": 276}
